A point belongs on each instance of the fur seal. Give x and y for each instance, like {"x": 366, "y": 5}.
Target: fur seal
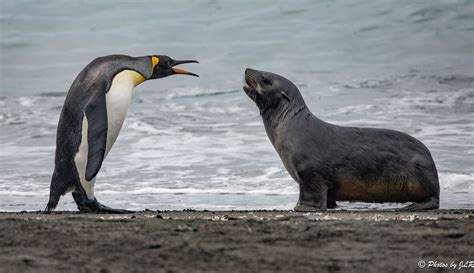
{"x": 331, "y": 162}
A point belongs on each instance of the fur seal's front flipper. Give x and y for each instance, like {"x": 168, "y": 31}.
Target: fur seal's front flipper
{"x": 331, "y": 199}
{"x": 86, "y": 205}
{"x": 313, "y": 192}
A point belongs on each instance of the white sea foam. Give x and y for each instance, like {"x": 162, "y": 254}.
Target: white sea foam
{"x": 250, "y": 191}
{"x": 457, "y": 182}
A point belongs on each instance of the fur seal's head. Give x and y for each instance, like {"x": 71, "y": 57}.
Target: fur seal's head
{"x": 269, "y": 90}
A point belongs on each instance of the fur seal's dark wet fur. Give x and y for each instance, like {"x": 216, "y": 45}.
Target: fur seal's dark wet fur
{"x": 331, "y": 162}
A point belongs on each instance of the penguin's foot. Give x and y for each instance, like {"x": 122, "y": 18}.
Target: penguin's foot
{"x": 99, "y": 208}
{"x": 86, "y": 205}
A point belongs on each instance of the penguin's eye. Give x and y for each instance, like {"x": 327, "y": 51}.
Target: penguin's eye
{"x": 266, "y": 81}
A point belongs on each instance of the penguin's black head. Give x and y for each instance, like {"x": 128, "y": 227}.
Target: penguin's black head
{"x": 163, "y": 66}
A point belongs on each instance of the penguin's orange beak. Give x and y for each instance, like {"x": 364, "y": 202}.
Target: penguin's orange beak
{"x": 182, "y": 71}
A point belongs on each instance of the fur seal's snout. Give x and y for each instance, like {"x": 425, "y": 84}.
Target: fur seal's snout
{"x": 250, "y": 83}
{"x": 264, "y": 89}
{"x": 331, "y": 162}
{"x": 255, "y": 78}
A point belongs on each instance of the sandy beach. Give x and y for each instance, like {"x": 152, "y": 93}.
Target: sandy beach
{"x": 235, "y": 241}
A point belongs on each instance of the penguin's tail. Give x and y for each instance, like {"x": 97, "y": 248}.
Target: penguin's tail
{"x": 56, "y": 189}
{"x": 53, "y": 201}
{"x": 51, "y": 205}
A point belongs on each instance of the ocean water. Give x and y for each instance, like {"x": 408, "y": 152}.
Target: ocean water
{"x": 199, "y": 143}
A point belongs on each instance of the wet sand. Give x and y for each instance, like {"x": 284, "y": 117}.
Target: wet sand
{"x": 234, "y": 241}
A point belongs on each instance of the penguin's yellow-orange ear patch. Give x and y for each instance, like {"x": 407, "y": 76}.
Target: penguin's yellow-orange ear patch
{"x": 154, "y": 62}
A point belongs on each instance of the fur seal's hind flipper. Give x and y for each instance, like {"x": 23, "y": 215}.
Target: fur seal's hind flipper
{"x": 96, "y": 114}
{"x": 432, "y": 203}
{"x": 93, "y": 206}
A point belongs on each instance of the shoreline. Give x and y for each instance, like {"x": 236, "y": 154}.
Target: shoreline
{"x": 234, "y": 241}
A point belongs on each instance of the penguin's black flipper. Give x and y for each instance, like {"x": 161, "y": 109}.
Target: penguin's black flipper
{"x": 96, "y": 113}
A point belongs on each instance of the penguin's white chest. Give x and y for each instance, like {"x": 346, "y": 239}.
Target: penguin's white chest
{"x": 118, "y": 101}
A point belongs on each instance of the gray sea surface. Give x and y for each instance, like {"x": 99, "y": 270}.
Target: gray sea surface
{"x": 199, "y": 143}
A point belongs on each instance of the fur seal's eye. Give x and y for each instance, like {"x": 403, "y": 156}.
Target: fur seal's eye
{"x": 266, "y": 81}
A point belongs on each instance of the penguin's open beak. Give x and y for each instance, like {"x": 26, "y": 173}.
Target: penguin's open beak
{"x": 182, "y": 71}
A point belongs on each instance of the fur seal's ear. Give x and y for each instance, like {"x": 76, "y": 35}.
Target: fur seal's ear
{"x": 285, "y": 95}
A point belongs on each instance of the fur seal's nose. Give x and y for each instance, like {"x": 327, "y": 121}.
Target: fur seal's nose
{"x": 249, "y": 71}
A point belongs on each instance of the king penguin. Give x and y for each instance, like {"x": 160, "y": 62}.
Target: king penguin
{"x": 91, "y": 119}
